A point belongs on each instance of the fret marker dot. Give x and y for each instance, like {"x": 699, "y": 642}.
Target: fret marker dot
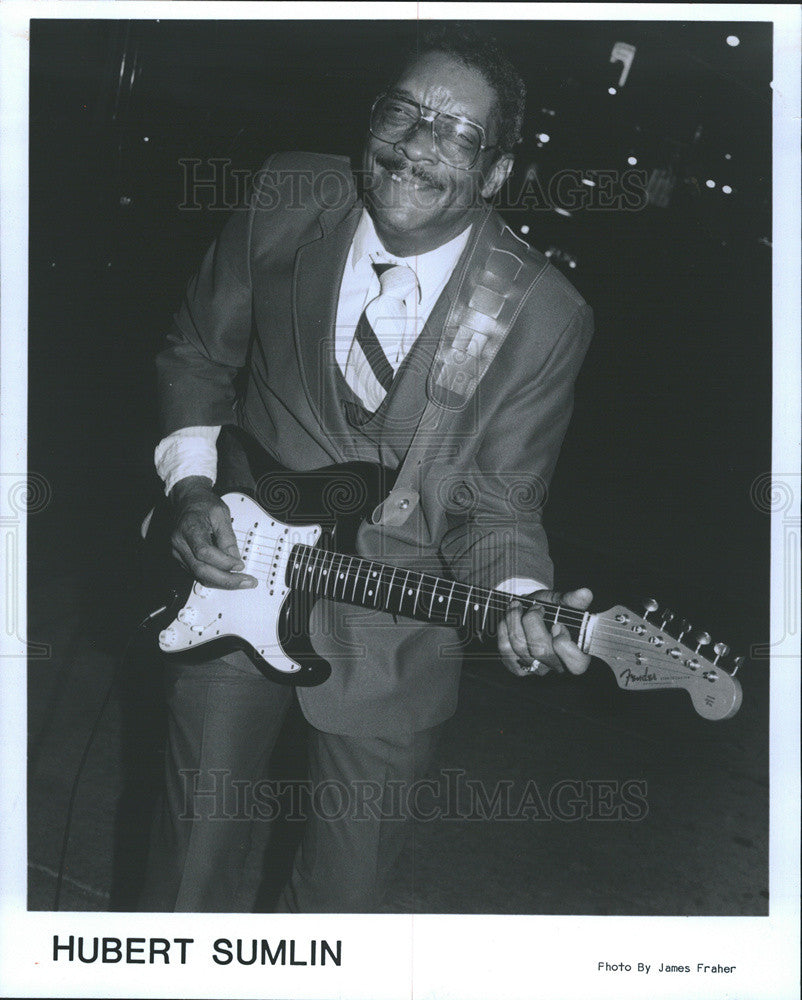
{"x": 370, "y": 593}
{"x": 476, "y": 607}
{"x": 342, "y": 576}
{"x": 325, "y": 571}
{"x": 410, "y": 590}
{"x": 374, "y": 573}
{"x": 440, "y": 599}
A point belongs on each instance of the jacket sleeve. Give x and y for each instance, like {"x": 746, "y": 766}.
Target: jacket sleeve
{"x": 495, "y": 531}
{"x": 210, "y": 334}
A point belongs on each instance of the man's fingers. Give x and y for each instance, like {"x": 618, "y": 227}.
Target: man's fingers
{"x": 223, "y": 533}
{"x": 569, "y": 653}
{"x": 538, "y": 640}
{"x": 508, "y": 655}
{"x": 523, "y": 638}
{"x": 210, "y": 555}
{"x": 580, "y": 599}
{"x": 201, "y": 534}
{"x": 517, "y": 635}
{"x": 520, "y": 644}
{"x": 209, "y": 575}
{"x": 208, "y": 564}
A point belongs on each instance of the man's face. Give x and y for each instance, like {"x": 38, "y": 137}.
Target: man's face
{"x": 416, "y": 201}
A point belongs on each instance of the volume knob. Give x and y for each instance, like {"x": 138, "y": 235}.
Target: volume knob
{"x": 168, "y": 638}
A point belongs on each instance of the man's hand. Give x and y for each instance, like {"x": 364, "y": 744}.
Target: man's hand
{"x": 202, "y": 539}
{"x": 524, "y": 638}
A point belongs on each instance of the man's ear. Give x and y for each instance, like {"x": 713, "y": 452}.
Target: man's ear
{"x": 497, "y": 175}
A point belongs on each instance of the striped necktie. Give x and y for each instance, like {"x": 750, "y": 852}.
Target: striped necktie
{"x": 383, "y": 322}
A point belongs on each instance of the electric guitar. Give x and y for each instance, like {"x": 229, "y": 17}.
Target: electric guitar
{"x": 280, "y": 545}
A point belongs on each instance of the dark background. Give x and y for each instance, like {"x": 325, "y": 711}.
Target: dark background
{"x": 652, "y": 494}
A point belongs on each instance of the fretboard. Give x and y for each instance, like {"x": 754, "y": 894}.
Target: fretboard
{"x": 412, "y": 594}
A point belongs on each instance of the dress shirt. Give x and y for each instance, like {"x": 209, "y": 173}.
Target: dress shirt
{"x": 360, "y": 285}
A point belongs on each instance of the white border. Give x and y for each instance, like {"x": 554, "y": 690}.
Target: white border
{"x": 422, "y": 956}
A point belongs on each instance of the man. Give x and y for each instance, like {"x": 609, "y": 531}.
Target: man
{"x": 408, "y": 327}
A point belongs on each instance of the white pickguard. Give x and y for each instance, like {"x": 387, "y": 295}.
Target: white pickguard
{"x": 251, "y": 614}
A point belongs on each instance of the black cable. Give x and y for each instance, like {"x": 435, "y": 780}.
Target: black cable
{"x": 84, "y": 756}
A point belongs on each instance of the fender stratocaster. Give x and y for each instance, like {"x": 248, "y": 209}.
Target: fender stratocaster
{"x": 280, "y": 545}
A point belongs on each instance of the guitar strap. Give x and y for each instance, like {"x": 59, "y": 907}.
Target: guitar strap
{"x": 491, "y": 292}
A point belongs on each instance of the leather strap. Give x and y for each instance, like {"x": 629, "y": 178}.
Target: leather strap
{"x": 491, "y": 293}
{"x": 492, "y": 290}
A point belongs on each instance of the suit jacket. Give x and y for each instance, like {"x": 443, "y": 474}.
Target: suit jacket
{"x": 253, "y": 343}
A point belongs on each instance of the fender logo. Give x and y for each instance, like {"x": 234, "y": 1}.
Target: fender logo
{"x": 629, "y": 678}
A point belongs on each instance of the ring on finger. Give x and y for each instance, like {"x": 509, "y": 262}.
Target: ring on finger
{"x": 536, "y": 667}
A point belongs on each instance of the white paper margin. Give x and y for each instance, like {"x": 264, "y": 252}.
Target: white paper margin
{"x": 421, "y": 956}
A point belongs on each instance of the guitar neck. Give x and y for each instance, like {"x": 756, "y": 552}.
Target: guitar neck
{"x": 413, "y": 594}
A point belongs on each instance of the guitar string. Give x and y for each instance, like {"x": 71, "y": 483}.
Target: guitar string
{"x": 363, "y": 572}
{"x": 498, "y": 604}
{"x": 655, "y": 659}
{"x": 482, "y": 603}
{"x": 363, "y": 575}
{"x": 430, "y": 585}
{"x": 429, "y": 580}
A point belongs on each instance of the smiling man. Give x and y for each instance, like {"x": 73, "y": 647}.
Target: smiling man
{"x": 406, "y": 326}
{"x": 435, "y": 153}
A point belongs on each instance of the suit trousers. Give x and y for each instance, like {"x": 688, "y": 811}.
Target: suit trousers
{"x": 212, "y": 823}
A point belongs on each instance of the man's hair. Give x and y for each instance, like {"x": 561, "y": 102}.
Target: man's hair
{"x": 471, "y": 45}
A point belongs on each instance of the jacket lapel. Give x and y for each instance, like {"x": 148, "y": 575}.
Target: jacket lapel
{"x": 318, "y": 273}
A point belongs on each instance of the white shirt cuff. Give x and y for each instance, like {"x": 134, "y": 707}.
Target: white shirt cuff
{"x": 190, "y": 451}
{"x": 520, "y": 585}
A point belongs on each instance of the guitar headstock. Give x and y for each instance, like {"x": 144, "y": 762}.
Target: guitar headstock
{"x": 658, "y": 650}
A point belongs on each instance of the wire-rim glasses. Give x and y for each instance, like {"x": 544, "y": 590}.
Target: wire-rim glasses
{"x": 456, "y": 140}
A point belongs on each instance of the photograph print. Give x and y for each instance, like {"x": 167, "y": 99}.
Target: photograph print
{"x": 400, "y": 394}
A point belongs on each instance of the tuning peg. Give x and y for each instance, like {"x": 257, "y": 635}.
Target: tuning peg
{"x": 668, "y": 616}
{"x": 701, "y": 638}
{"x": 720, "y": 649}
{"x": 737, "y": 662}
{"x": 684, "y": 626}
{"x": 650, "y": 604}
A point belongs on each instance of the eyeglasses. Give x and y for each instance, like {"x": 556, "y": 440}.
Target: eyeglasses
{"x": 457, "y": 141}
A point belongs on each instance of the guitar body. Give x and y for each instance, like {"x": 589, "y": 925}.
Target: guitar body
{"x": 278, "y": 510}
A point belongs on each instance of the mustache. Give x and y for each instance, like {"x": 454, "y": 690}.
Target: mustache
{"x": 399, "y": 166}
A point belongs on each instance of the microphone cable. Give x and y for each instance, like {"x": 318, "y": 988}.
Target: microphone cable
{"x": 85, "y": 755}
